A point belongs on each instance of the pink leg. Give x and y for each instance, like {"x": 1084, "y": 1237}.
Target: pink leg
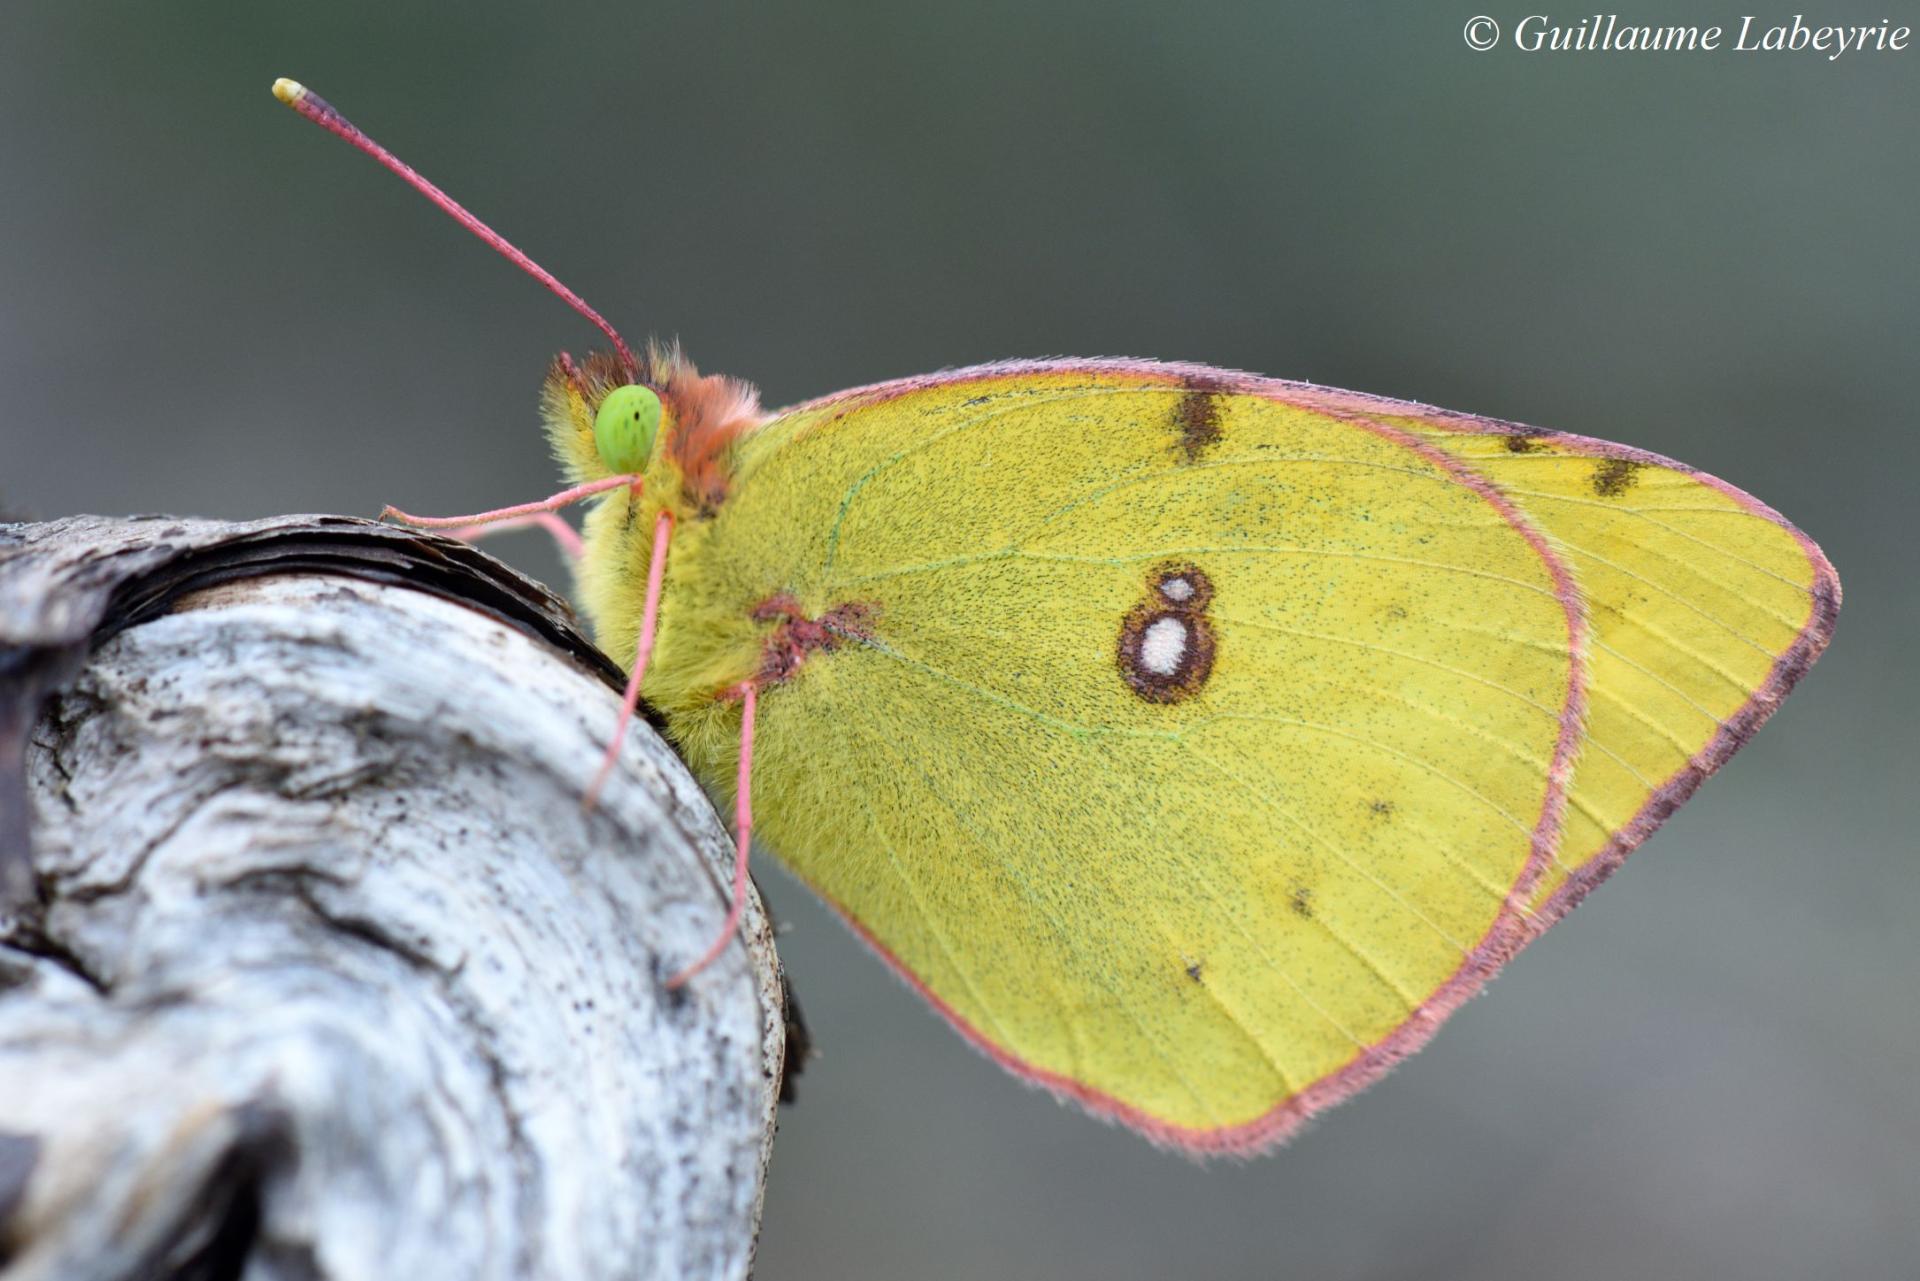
{"x": 742, "y": 838}
{"x": 557, "y": 501}
{"x": 642, "y": 651}
{"x": 570, "y": 545}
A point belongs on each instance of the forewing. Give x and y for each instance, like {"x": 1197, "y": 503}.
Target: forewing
{"x": 1705, "y": 607}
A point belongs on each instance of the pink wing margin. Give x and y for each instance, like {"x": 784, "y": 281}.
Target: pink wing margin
{"x": 1823, "y": 609}
{"x": 1513, "y": 928}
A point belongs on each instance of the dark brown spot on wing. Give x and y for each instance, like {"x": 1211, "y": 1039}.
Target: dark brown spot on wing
{"x": 1183, "y": 586}
{"x": 1190, "y": 670}
{"x": 1302, "y": 902}
{"x": 1196, "y": 417}
{"x": 1381, "y": 809}
{"x": 1614, "y": 476}
{"x": 1521, "y": 443}
{"x": 1193, "y": 971}
{"x": 1179, "y": 593}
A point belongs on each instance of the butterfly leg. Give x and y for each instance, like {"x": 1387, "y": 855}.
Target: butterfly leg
{"x": 564, "y": 498}
{"x": 742, "y": 838}
{"x": 563, "y": 534}
{"x": 642, "y": 650}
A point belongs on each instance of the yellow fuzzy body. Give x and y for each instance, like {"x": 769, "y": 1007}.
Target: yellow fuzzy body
{"x": 1446, "y": 674}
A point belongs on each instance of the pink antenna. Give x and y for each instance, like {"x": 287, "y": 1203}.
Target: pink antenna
{"x": 321, "y": 112}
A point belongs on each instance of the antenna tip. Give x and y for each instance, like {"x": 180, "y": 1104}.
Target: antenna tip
{"x": 289, "y": 91}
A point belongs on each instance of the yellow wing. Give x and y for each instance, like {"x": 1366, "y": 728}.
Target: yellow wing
{"x": 1705, "y": 608}
{"x": 1195, "y": 743}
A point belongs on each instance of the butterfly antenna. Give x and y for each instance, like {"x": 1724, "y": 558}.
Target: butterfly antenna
{"x": 321, "y": 112}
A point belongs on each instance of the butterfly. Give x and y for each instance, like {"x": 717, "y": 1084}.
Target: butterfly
{"x": 1194, "y": 742}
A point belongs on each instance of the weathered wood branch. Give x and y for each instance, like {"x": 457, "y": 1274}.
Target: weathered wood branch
{"x": 317, "y": 967}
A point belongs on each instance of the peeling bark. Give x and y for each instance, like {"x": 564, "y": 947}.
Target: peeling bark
{"x": 317, "y": 968}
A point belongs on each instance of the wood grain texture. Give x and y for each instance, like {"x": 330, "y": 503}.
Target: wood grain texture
{"x": 327, "y": 974}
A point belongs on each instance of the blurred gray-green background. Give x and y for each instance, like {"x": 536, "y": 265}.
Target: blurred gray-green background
{"x": 207, "y": 306}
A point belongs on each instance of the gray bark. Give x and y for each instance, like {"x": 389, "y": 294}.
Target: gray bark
{"x": 317, "y": 967}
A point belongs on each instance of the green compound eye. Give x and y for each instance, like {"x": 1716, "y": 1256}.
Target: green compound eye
{"x": 624, "y": 428}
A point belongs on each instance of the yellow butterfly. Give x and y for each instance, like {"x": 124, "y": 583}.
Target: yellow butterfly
{"x": 1194, "y": 742}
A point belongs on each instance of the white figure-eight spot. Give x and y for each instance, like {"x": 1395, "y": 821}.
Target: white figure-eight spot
{"x": 1166, "y": 644}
